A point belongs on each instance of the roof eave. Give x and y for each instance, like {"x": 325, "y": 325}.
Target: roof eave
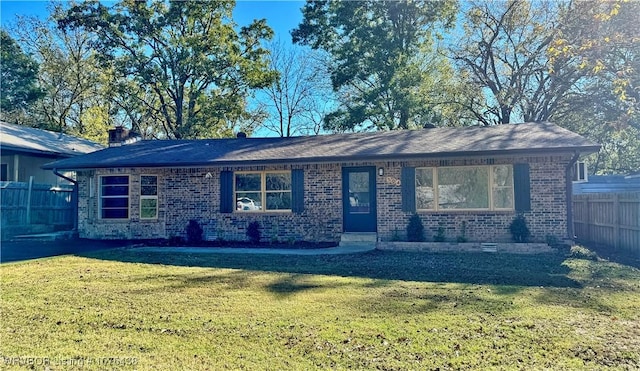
{"x": 335, "y": 159}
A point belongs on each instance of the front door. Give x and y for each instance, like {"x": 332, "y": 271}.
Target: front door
{"x": 359, "y": 199}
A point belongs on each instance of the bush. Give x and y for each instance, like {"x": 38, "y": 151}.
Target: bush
{"x": 194, "y": 231}
{"x": 439, "y": 237}
{"x": 519, "y": 230}
{"x": 396, "y": 235}
{"x": 580, "y": 252}
{"x": 253, "y": 232}
{"x": 463, "y": 233}
{"x": 415, "y": 229}
{"x": 175, "y": 241}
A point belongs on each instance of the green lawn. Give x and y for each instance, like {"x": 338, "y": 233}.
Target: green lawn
{"x": 380, "y": 310}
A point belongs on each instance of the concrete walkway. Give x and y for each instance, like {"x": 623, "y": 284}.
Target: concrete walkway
{"x": 348, "y": 249}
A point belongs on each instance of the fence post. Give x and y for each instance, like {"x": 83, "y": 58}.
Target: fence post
{"x": 588, "y": 221}
{"x": 28, "y": 221}
{"x": 616, "y": 221}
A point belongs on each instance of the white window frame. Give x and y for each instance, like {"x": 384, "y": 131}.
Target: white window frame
{"x": 263, "y": 191}
{"x": 491, "y": 185}
{"x": 149, "y": 197}
{"x": 576, "y": 172}
{"x": 102, "y": 197}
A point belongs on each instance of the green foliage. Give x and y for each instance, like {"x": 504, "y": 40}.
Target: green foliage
{"x": 253, "y": 232}
{"x": 194, "y": 232}
{"x": 519, "y": 229}
{"x": 439, "y": 236}
{"x": 18, "y": 89}
{"x": 580, "y": 252}
{"x": 187, "y": 59}
{"x": 382, "y": 54}
{"x": 415, "y": 229}
{"x": 463, "y": 233}
{"x": 396, "y": 235}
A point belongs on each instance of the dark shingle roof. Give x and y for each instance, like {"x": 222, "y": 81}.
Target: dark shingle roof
{"x": 406, "y": 144}
{"x": 43, "y": 142}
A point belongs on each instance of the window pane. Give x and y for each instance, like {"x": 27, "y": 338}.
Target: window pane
{"x": 503, "y": 176}
{"x": 148, "y": 208}
{"x": 248, "y": 182}
{"x": 113, "y": 190}
{"x": 148, "y": 185}
{"x": 248, "y": 201}
{"x": 278, "y": 181}
{"x": 115, "y": 213}
{"x": 278, "y": 200}
{"x": 424, "y": 189}
{"x": 503, "y": 187}
{"x": 463, "y": 188}
{"x": 107, "y": 180}
{"x": 359, "y": 202}
{"x": 503, "y": 198}
{"x": 119, "y": 202}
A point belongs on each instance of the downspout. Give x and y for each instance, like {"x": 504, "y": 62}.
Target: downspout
{"x": 74, "y": 197}
{"x": 569, "y": 194}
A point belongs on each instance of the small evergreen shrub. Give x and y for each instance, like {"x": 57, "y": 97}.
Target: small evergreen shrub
{"x": 175, "y": 241}
{"x": 463, "y": 233}
{"x": 415, "y": 229}
{"x": 395, "y": 237}
{"x": 439, "y": 237}
{"x": 253, "y": 232}
{"x": 519, "y": 230}
{"x": 194, "y": 231}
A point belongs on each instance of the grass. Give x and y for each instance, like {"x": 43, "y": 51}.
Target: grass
{"x": 383, "y": 310}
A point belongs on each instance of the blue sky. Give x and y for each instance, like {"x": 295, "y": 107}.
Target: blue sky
{"x": 282, "y": 16}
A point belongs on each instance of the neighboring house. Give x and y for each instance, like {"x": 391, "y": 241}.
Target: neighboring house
{"x": 23, "y": 151}
{"x": 608, "y": 184}
{"x": 316, "y": 188}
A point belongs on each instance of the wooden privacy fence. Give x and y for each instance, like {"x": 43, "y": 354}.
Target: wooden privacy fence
{"x": 609, "y": 219}
{"x": 28, "y": 204}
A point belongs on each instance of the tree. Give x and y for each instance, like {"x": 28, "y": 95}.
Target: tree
{"x": 19, "y": 79}
{"x": 573, "y": 62}
{"x": 603, "y": 36}
{"x": 75, "y": 88}
{"x": 504, "y": 56}
{"x": 378, "y": 58}
{"x": 298, "y": 99}
{"x": 191, "y": 67}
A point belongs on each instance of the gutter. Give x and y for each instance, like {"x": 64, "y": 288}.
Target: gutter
{"x": 74, "y": 197}
{"x": 569, "y": 194}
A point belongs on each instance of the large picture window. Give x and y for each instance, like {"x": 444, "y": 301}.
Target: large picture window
{"x": 114, "y": 197}
{"x": 465, "y": 188}
{"x": 148, "y": 197}
{"x": 263, "y": 191}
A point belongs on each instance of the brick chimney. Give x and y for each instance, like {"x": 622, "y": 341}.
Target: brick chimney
{"x": 120, "y": 136}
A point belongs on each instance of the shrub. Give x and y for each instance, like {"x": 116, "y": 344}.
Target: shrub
{"x": 580, "y": 252}
{"x": 175, "y": 241}
{"x": 194, "y": 231}
{"x": 439, "y": 237}
{"x": 463, "y": 233}
{"x": 415, "y": 229}
{"x": 519, "y": 230}
{"x": 396, "y": 235}
{"x": 253, "y": 232}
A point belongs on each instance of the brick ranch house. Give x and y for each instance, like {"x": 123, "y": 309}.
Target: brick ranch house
{"x": 316, "y": 188}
